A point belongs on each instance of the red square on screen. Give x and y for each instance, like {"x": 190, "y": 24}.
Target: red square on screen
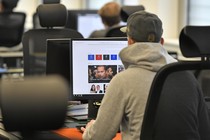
{"x": 98, "y": 57}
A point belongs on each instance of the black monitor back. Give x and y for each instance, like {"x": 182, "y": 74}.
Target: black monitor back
{"x": 58, "y": 58}
{"x": 84, "y": 21}
{"x": 72, "y": 21}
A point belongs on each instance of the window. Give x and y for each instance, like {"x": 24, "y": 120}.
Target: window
{"x": 199, "y": 12}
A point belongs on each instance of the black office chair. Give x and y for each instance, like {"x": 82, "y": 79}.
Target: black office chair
{"x": 126, "y": 11}
{"x": 115, "y": 32}
{"x": 34, "y": 107}
{"x": 11, "y": 27}
{"x": 36, "y": 22}
{"x": 50, "y": 1}
{"x": 34, "y": 41}
{"x": 174, "y": 86}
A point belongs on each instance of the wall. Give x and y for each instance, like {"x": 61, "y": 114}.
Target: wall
{"x": 167, "y": 10}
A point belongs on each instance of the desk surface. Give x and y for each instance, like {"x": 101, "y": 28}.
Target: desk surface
{"x": 11, "y": 54}
{"x": 75, "y": 134}
{"x": 11, "y": 70}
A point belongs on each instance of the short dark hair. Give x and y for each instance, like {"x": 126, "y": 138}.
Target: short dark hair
{"x": 110, "y": 13}
{"x": 110, "y": 21}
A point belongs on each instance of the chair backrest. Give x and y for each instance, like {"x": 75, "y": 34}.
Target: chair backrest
{"x": 36, "y": 22}
{"x": 11, "y": 28}
{"x": 35, "y": 40}
{"x": 115, "y": 32}
{"x": 30, "y": 106}
{"x": 194, "y": 37}
{"x": 126, "y": 11}
{"x": 11, "y": 25}
{"x": 176, "y": 108}
{"x": 50, "y": 1}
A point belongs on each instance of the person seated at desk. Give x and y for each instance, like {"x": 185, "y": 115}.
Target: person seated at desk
{"x": 124, "y": 103}
{"x": 110, "y": 16}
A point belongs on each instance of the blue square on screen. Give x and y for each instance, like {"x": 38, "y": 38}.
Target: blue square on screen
{"x": 113, "y": 57}
{"x": 90, "y": 57}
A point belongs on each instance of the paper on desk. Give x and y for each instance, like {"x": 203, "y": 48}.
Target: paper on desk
{"x": 75, "y": 107}
{"x": 77, "y": 112}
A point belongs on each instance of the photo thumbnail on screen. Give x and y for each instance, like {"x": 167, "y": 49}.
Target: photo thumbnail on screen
{"x": 101, "y": 73}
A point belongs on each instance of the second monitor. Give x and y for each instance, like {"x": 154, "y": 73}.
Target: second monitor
{"x": 57, "y": 58}
{"x": 84, "y": 21}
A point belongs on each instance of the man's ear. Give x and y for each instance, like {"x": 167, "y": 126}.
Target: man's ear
{"x": 162, "y": 41}
{"x": 131, "y": 41}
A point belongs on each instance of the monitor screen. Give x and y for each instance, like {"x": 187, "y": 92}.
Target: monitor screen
{"x": 94, "y": 63}
{"x": 57, "y": 59}
{"x": 84, "y": 21}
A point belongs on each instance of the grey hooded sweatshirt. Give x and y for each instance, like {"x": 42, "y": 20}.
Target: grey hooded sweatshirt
{"x": 124, "y": 102}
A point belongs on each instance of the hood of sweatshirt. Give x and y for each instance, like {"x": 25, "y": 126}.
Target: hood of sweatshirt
{"x": 150, "y": 56}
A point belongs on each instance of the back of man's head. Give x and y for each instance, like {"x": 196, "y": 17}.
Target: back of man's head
{"x": 143, "y": 26}
{"x": 110, "y": 13}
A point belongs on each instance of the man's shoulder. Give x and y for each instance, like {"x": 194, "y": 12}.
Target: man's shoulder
{"x": 98, "y": 33}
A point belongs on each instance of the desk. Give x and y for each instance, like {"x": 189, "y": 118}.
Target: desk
{"x": 11, "y": 59}
{"x": 69, "y": 133}
{"x": 12, "y": 62}
{"x": 11, "y": 74}
{"x": 11, "y": 54}
{"x": 74, "y": 134}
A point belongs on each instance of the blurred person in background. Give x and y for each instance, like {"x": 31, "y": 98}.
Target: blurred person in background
{"x": 110, "y": 16}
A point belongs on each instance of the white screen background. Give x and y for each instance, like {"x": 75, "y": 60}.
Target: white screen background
{"x": 80, "y": 51}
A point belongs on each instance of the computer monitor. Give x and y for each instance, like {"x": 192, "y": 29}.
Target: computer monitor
{"x": 58, "y": 58}
{"x": 94, "y": 63}
{"x": 84, "y": 21}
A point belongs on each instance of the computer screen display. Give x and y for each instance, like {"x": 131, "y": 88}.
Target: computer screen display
{"x": 57, "y": 58}
{"x": 84, "y": 21}
{"x": 94, "y": 63}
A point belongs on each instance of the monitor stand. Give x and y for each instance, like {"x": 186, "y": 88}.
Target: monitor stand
{"x": 93, "y": 106}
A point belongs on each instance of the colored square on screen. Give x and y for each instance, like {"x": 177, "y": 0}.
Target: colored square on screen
{"x": 105, "y": 57}
{"x": 90, "y": 57}
{"x": 113, "y": 57}
{"x": 98, "y": 57}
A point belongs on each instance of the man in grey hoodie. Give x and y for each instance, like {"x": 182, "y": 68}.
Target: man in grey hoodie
{"x": 124, "y": 102}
